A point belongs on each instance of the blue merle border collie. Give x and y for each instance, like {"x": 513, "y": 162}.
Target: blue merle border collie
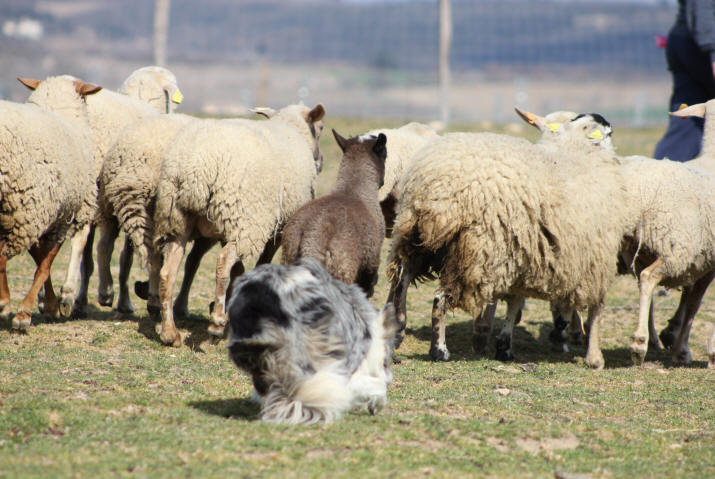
{"x": 313, "y": 345}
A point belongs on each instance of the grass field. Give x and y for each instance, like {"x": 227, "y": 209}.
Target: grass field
{"x": 103, "y": 398}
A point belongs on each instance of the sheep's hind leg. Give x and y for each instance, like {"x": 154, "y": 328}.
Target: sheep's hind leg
{"x": 398, "y": 297}
{"x": 681, "y": 352}
{"x": 649, "y": 279}
{"x": 199, "y": 249}
{"x": 563, "y": 319}
{"x": 80, "y": 267}
{"x": 153, "y": 303}
{"x": 224, "y": 263}
{"x": 4, "y": 289}
{"x": 594, "y": 356}
{"x": 108, "y": 232}
{"x": 126, "y": 258}
{"x": 670, "y": 333}
{"x": 43, "y": 253}
{"x": 482, "y": 324}
{"x": 173, "y": 253}
{"x": 504, "y": 351}
{"x": 653, "y": 342}
{"x": 438, "y": 349}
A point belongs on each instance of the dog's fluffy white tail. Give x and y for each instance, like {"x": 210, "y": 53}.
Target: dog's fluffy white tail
{"x": 321, "y": 397}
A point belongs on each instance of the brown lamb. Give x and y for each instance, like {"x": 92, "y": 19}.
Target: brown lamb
{"x": 344, "y": 229}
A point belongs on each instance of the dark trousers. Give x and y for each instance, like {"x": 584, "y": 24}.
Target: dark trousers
{"x": 692, "y": 83}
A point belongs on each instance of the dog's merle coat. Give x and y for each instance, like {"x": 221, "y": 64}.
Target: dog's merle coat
{"x": 313, "y": 345}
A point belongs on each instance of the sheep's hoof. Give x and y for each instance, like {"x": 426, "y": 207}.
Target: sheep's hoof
{"x": 67, "y": 305}
{"x": 141, "y": 289}
{"x": 79, "y": 310}
{"x": 479, "y": 343}
{"x": 439, "y": 354}
{"x": 106, "y": 298}
{"x": 667, "y": 337}
{"x": 503, "y": 349}
{"x": 217, "y": 331}
{"x": 5, "y": 311}
{"x": 21, "y": 321}
{"x": 52, "y": 309}
{"x": 639, "y": 347}
{"x": 595, "y": 362}
{"x": 124, "y": 305}
{"x": 654, "y": 344}
{"x": 683, "y": 356}
{"x": 169, "y": 337}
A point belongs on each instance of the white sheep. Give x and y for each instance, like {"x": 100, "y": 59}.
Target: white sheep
{"x": 127, "y": 190}
{"x": 154, "y": 85}
{"x": 236, "y": 181}
{"x": 109, "y": 113}
{"x": 402, "y": 144}
{"x": 47, "y": 185}
{"x": 495, "y": 218}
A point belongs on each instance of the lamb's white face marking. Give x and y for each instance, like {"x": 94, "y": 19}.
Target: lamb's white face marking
{"x": 364, "y": 138}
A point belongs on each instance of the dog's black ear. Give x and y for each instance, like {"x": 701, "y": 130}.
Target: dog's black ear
{"x": 379, "y": 147}
{"x": 390, "y": 324}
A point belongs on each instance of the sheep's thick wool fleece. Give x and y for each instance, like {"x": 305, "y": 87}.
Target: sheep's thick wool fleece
{"x": 677, "y": 221}
{"x": 47, "y": 186}
{"x": 246, "y": 177}
{"x": 109, "y": 112}
{"x": 511, "y": 220}
{"x": 402, "y": 144}
{"x": 130, "y": 175}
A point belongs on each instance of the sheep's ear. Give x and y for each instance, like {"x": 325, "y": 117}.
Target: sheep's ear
{"x": 83, "y": 89}
{"x": 317, "y": 113}
{"x": 391, "y": 326}
{"x": 532, "y": 119}
{"x": 30, "y": 83}
{"x": 263, "y": 111}
{"x": 379, "y": 147}
{"x": 692, "y": 110}
{"x": 342, "y": 142}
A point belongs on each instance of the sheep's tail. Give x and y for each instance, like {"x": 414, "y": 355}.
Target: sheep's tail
{"x": 321, "y": 397}
{"x": 136, "y": 222}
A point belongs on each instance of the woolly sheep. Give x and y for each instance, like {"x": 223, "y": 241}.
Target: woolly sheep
{"x": 109, "y": 112}
{"x": 154, "y": 85}
{"x": 673, "y": 241}
{"x": 494, "y": 223}
{"x": 344, "y": 229}
{"x": 236, "y": 181}
{"x": 47, "y": 186}
{"x": 313, "y": 345}
{"x": 127, "y": 189}
{"x": 402, "y": 144}
{"x": 549, "y": 125}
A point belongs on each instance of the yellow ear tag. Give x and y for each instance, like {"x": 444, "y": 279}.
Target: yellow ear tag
{"x": 596, "y": 135}
{"x": 177, "y": 97}
{"x": 682, "y": 106}
{"x": 553, "y": 126}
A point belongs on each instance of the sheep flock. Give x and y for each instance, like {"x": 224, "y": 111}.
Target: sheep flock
{"x": 490, "y": 216}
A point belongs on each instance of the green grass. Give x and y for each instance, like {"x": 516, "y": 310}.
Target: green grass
{"x": 103, "y": 398}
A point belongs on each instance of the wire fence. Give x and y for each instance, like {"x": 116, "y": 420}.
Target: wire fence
{"x": 363, "y": 58}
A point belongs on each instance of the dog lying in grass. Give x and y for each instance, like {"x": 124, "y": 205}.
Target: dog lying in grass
{"x": 313, "y": 345}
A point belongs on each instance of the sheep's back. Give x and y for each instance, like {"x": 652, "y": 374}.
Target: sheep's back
{"x": 46, "y": 181}
{"x": 246, "y": 179}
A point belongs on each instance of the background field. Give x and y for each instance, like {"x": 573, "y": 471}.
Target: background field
{"x": 103, "y": 398}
